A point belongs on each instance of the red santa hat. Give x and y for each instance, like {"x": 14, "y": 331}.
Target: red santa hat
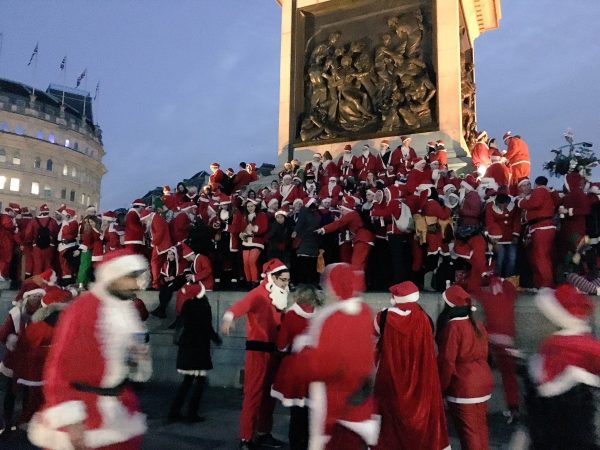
{"x": 348, "y": 203}
{"x": 494, "y": 231}
{"x": 308, "y": 201}
{"x": 439, "y": 145}
{"x": 385, "y": 142}
{"x": 188, "y": 292}
{"x": 508, "y": 135}
{"x": 281, "y": 212}
{"x": 49, "y": 277}
{"x": 109, "y": 216}
{"x": 33, "y": 292}
{"x": 566, "y": 307}
{"x": 481, "y": 136}
{"x": 255, "y": 201}
{"x": 215, "y": 165}
{"x": 117, "y": 264}
{"x": 469, "y": 183}
{"x": 13, "y": 207}
{"x": 138, "y": 202}
{"x": 456, "y": 296}
{"x": 523, "y": 180}
{"x": 187, "y": 206}
{"x": 431, "y": 145}
{"x": 347, "y": 148}
{"x": 56, "y": 296}
{"x": 404, "y": 139}
{"x": 186, "y": 250}
{"x": 68, "y": 212}
{"x": 166, "y": 189}
{"x": 25, "y": 211}
{"x": 420, "y": 163}
{"x": 342, "y": 281}
{"x": 273, "y": 266}
{"x": 449, "y": 188}
{"x": 406, "y": 292}
{"x": 310, "y": 174}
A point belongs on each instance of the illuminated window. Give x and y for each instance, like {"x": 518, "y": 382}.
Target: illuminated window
{"x": 73, "y": 172}
{"x": 72, "y": 196}
{"x": 83, "y": 199}
{"x": 40, "y": 134}
{"x": 2, "y": 181}
{"x": 37, "y": 163}
{"x": 49, "y": 165}
{"x": 63, "y": 193}
{"x": 2, "y": 155}
{"x": 47, "y": 191}
{"x": 19, "y": 130}
{"x": 16, "y": 159}
{"x": 15, "y": 184}
{"x": 51, "y": 138}
{"x": 67, "y": 142}
{"x": 65, "y": 170}
{"x": 88, "y": 201}
{"x": 3, "y": 126}
{"x": 35, "y": 188}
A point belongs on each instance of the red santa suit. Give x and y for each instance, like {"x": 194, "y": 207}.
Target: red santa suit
{"x": 407, "y": 376}
{"x": 365, "y": 164}
{"x": 517, "y": 157}
{"x": 337, "y": 358}
{"x": 331, "y": 190}
{"x": 508, "y": 221}
{"x": 346, "y": 165}
{"x": 262, "y": 306}
{"x": 216, "y": 178}
{"x": 465, "y": 377}
{"x": 83, "y": 383}
{"x": 576, "y": 206}
{"x": 67, "y": 241}
{"x": 160, "y": 243}
{"x": 202, "y": 271}
{"x": 242, "y": 178}
{"x": 25, "y": 243}
{"x": 180, "y": 227}
{"x": 480, "y": 155}
{"x": 134, "y": 230}
{"x": 112, "y": 237}
{"x": 329, "y": 169}
{"x": 499, "y": 172}
{"x": 538, "y": 212}
{"x": 8, "y": 231}
{"x": 288, "y": 193}
{"x": 440, "y": 155}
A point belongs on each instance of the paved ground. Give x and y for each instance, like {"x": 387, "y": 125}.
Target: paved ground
{"x": 221, "y": 408}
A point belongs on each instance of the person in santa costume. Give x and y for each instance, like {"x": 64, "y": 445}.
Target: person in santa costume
{"x": 564, "y": 373}
{"x": 253, "y": 226}
{"x": 365, "y": 163}
{"x": 263, "y": 305}
{"x": 88, "y": 403}
{"x": 288, "y": 191}
{"x": 409, "y": 155}
{"x": 17, "y": 320}
{"x": 346, "y": 163}
{"x": 172, "y": 277}
{"x": 314, "y": 166}
{"x": 362, "y": 240}
{"x": 331, "y": 190}
{"x": 8, "y": 237}
{"x": 407, "y": 384}
{"x": 217, "y": 177}
{"x": 419, "y": 174}
{"x": 181, "y": 223}
{"x": 160, "y": 241}
{"x": 517, "y": 159}
{"x": 90, "y": 237}
{"x": 33, "y": 346}
{"x": 68, "y": 248}
{"x": 498, "y": 302}
{"x": 42, "y": 232}
{"x": 480, "y": 154}
{"x": 465, "y": 377}
{"x": 25, "y": 245}
{"x": 440, "y": 154}
{"x": 292, "y": 394}
{"x": 329, "y": 169}
{"x": 242, "y": 178}
{"x": 574, "y": 210}
{"x": 226, "y": 244}
{"x": 113, "y": 232}
{"x": 538, "y": 210}
{"x": 503, "y": 226}
{"x": 498, "y": 170}
{"x": 337, "y": 357}
{"x": 134, "y": 230}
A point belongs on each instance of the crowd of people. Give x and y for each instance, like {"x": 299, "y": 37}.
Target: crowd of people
{"x": 382, "y": 221}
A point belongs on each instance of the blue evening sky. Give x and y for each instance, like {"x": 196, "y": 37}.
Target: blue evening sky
{"x": 186, "y": 82}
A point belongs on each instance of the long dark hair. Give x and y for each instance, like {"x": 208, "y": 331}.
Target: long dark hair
{"x": 452, "y": 312}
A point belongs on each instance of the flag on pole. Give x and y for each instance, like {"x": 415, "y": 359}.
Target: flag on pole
{"x": 34, "y": 54}
{"x": 97, "y": 90}
{"x": 63, "y": 63}
{"x": 81, "y": 77}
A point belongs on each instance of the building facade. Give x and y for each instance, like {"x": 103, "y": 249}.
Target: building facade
{"x": 50, "y": 150}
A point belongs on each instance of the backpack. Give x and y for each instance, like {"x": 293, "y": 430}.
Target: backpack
{"x": 43, "y": 238}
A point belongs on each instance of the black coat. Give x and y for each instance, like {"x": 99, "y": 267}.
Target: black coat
{"x": 198, "y": 331}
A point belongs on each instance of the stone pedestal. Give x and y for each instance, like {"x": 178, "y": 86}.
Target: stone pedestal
{"x": 453, "y": 26}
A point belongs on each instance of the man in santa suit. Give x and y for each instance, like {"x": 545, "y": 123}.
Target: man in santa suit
{"x": 216, "y": 178}
{"x": 113, "y": 232}
{"x": 263, "y": 305}
{"x": 439, "y": 154}
{"x": 242, "y": 177}
{"x": 362, "y": 238}
{"x": 517, "y": 159}
{"x": 160, "y": 241}
{"x": 498, "y": 170}
{"x": 409, "y": 155}
{"x": 480, "y": 153}
{"x": 366, "y": 163}
{"x": 538, "y": 209}
{"x": 87, "y": 401}
{"x": 384, "y": 157}
{"x": 315, "y": 166}
{"x": 288, "y": 191}
{"x": 339, "y": 337}
{"x": 420, "y": 174}
{"x": 134, "y": 230}
{"x": 503, "y": 226}
{"x": 346, "y": 163}
{"x": 565, "y": 373}
{"x": 24, "y": 242}
{"x": 68, "y": 248}
{"x": 407, "y": 384}
{"x": 331, "y": 190}
{"x": 8, "y": 237}
{"x": 182, "y": 221}
{"x": 169, "y": 200}
{"x": 575, "y": 208}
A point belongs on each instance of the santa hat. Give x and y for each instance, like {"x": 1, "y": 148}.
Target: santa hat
{"x": 573, "y": 180}
{"x": 13, "y": 207}
{"x": 462, "y": 249}
{"x": 68, "y": 212}
{"x": 347, "y": 148}
{"x": 287, "y": 175}
{"x": 117, "y": 264}
{"x": 281, "y": 212}
{"x": 406, "y": 292}
{"x": 481, "y": 136}
{"x": 273, "y": 266}
{"x": 431, "y": 145}
{"x": 494, "y": 231}
{"x": 424, "y": 187}
{"x": 188, "y": 292}
{"x": 215, "y": 165}
{"x": 166, "y": 189}
{"x": 316, "y": 156}
{"x": 308, "y": 201}
{"x": 138, "y": 202}
{"x": 523, "y": 180}
{"x": 49, "y": 277}
{"x": 25, "y": 211}
{"x": 348, "y": 203}
{"x": 449, "y": 188}
{"x": 385, "y": 142}
{"x": 507, "y": 136}
{"x": 33, "y": 292}
{"x": 298, "y": 201}
{"x": 43, "y": 210}
{"x": 456, "y": 296}
{"x": 404, "y": 139}
{"x": 488, "y": 183}
{"x": 566, "y": 307}
{"x": 56, "y": 296}
{"x": 342, "y": 281}
{"x": 109, "y": 216}
{"x": 186, "y": 250}
{"x": 439, "y": 145}
{"x": 255, "y": 201}
{"x": 469, "y": 183}
{"x": 186, "y": 206}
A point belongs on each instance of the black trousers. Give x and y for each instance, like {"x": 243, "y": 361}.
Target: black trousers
{"x": 298, "y": 432}
{"x": 165, "y": 293}
{"x": 306, "y": 270}
{"x": 182, "y": 391}
{"x": 401, "y": 257}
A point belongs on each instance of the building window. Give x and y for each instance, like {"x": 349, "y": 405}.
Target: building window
{"x": 40, "y": 134}
{"x": 51, "y": 138}
{"x": 65, "y": 170}
{"x": 83, "y": 199}
{"x": 49, "y": 165}
{"x": 16, "y": 159}
{"x": 73, "y": 172}
{"x": 67, "y": 143}
{"x": 15, "y": 184}
{"x": 37, "y": 163}
{"x": 2, "y": 155}
{"x": 47, "y": 191}
{"x": 63, "y": 193}
{"x": 3, "y": 126}
{"x": 76, "y": 145}
{"x": 2, "y": 181}
{"x": 88, "y": 201}
{"x": 72, "y": 196}
{"x": 35, "y": 188}
{"x": 19, "y": 130}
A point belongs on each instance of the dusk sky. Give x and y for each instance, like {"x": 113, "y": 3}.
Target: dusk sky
{"x": 188, "y": 82}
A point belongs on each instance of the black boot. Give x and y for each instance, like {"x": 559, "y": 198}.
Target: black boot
{"x": 184, "y": 387}
{"x": 192, "y": 415}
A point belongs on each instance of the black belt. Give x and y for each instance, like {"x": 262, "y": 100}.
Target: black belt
{"x": 260, "y": 346}
{"x": 68, "y": 241}
{"x": 106, "y": 392}
{"x": 536, "y": 221}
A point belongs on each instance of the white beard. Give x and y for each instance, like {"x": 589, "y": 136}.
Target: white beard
{"x": 278, "y": 296}
{"x": 347, "y": 157}
{"x": 310, "y": 187}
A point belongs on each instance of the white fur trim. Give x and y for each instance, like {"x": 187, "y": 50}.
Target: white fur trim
{"x": 228, "y": 316}
{"x": 289, "y": 402}
{"x": 317, "y": 392}
{"x": 277, "y": 269}
{"x": 366, "y": 429}
{"x": 202, "y": 292}
{"x": 38, "y": 291}
{"x": 501, "y": 339}
{"x": 66, "y": 413}
{"x": 469, "y": 401}
{"x": 400, "y": 312}
{"x": 298, "y": 310}
{"x": 448, "y": 302}
{"x": 25, "y": 382}
{"x": 6, "y": 371}
{"x": 133, "y": 242}
{"x": 410, "y": 298}
{"x": 112, "y": 270}
{"x": 549, "y": 306}
{"x": 569, "y": 378}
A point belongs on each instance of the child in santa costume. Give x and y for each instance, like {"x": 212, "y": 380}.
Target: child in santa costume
{"x": 565, "y": 372}
{"x": 465, "y": 376}
{"x": 263, "y": 306}
{"x": 87, "y": 401}
{"x": 337, "y": 358}
{"x": 407, "y": 384}
{"x": 291, "y": 393}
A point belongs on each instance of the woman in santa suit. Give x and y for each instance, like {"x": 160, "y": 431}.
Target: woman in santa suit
{"x": 294, "y": 395}
{"x": 465, "y": 377}
{"x": 254, "y": 226}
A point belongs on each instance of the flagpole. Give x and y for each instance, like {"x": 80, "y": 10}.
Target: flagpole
{"x": 34, "y": 73}
{"x": 1, "y": 42}
{"x": 85, "y": 96}
{"x": 64, "y": 71}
